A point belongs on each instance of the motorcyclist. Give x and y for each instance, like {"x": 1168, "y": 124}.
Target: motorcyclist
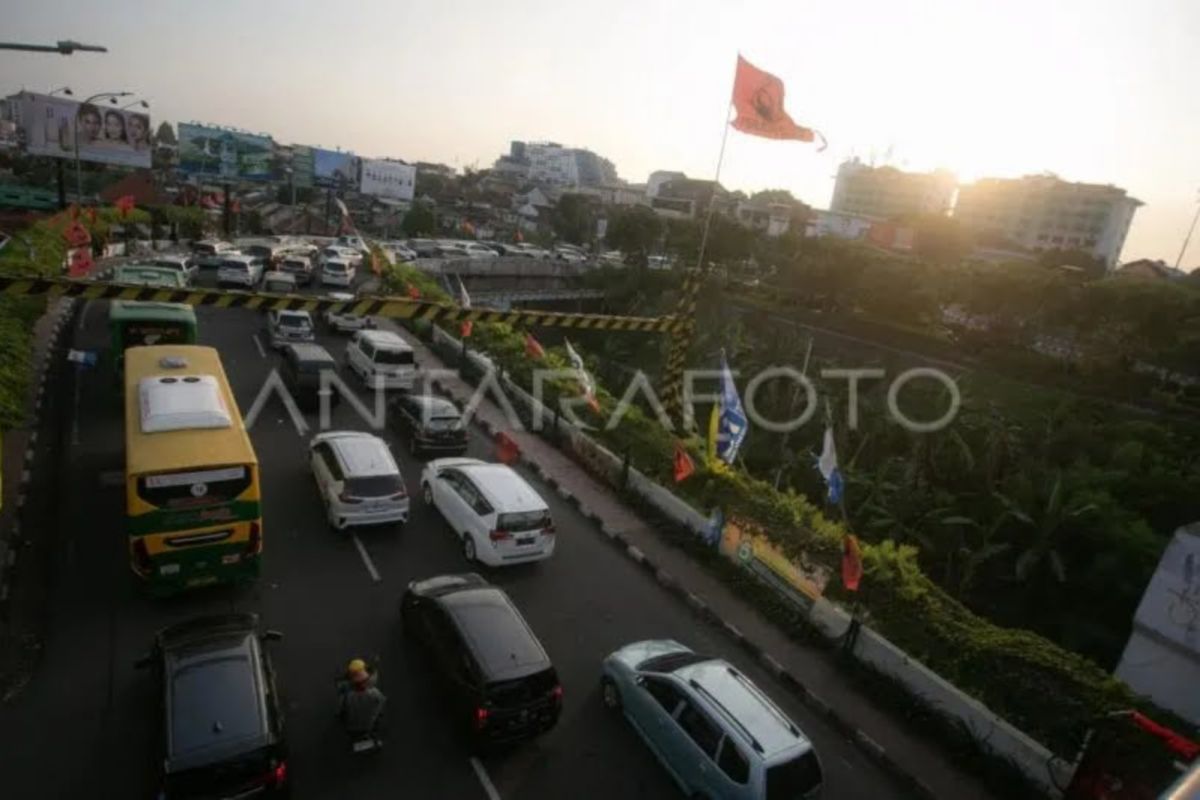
{"x": 361, "y": 702}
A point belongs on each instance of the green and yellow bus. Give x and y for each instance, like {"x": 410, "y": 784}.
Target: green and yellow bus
{"x": 192, "y": 498}
{"x": 132, "y": 323}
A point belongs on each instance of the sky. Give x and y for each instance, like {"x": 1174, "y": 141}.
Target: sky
{"x": 1100, "y": 91}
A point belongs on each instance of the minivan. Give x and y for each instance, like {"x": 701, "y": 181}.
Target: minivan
{"x": 382, "y": 359}
{"x": 298, "y": 266}
{"x": 240, "y": 270}
{"x": 303, "y": 364}
{"x": 358, "y": 478}
{"x": 336, "y": 272}
{"x": 498, "y": 680}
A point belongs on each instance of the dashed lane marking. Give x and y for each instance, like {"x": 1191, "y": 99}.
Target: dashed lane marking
{"x": 362, "y": 551}
{"x": 484, "y": 780}
{"x": 258, "y": 344}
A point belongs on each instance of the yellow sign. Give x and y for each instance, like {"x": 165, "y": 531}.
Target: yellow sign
{"x": 755, "y": 551}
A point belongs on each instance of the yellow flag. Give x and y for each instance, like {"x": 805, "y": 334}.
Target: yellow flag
{"x": 715, "y": 464}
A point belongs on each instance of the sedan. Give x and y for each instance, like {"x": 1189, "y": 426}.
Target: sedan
{"x": 430, "y": 424}
{"x": 346, "y": 321}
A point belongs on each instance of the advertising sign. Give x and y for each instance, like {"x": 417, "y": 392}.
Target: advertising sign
{"x": 208, "y": 150}
{"x": 388, "y": 179}
{"x": 333, "y": 168}
{"x": 805, "y": 581}
{"x": 46, "y": 126}
{"x": 302, "y": 166}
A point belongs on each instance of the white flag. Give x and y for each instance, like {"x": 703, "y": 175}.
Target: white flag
{"x": 464, "y": 299}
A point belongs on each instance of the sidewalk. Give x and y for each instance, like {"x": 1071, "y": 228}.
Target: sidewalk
{"x": 812, "y": 671}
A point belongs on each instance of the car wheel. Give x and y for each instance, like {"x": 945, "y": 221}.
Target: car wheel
{"x": 427, "y": 494}
{"x": 610, "y": 695}
{"x": 469, "y": 548}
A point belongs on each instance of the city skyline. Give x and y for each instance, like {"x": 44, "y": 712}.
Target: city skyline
{"x": 1087, "y": 93}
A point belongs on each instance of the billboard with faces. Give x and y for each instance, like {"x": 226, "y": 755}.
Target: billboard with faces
{"x": 48, "y": 126}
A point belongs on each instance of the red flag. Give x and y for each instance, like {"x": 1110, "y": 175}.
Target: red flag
{"x": 124, "y": 204}
{"x": 91, "y": 214}
{"x": 414, "y": 292}
{"x": 1178, "y": 743}
{"x": 81, "y": 262}
{"x": 683, "y": 464}
{"x": 465, "y": 328}
{"x": 375, "y": 263}
{"x": 852, "y": 567}
{"x": 533, "y": 348}
{"x": 758, "y": 98}
{"x": 592, "y": 402}
{"x": 76, "y": 235}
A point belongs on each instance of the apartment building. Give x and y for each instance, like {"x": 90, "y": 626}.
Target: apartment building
{"x": 886, "y": 192}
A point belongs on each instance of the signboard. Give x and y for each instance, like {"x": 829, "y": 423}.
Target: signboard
{"x": 387, "y": 179}
{"x": 805, "y": 581}
{"x": 302, "y": 166}
{"x": 333, "y": 168}
{"x": 208, "y": 150}
{"x": 47, "y": 126}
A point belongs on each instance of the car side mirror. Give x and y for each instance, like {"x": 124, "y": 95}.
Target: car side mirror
{"x": 145, "y": 661}
{"x": 272, "y": 636}
{"x": 640, "y": 680}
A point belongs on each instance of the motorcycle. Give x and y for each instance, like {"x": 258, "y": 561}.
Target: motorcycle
{"x": 361, "y": 719}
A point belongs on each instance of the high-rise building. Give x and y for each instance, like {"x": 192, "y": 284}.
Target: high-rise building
{"x": 553, "y": 164}
{"x": 1044, "y": 212}
{"x": 886, "y": 192}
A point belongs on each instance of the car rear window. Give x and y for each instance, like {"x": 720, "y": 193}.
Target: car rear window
{"x": 791, "y": 780}
{"x": 383, "y": 356}
{"x": 524, "y": 520}
{"x": 375, "y": 486}
{"x": 214, "y": 701}
{"x": 228, "y": 774}
{"x": 443, "y": 423}
{"x": 521, "y": 691}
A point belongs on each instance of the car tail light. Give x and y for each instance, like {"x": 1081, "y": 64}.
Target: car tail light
{"x": 345, "y": 498}
{"x": 254, "y": 544}
{"x": 499, "y": 536}
{"x": 278, "y": 774}
{"x": 481, "y": 718}
{"x": 141, "y": 555}
{"x": 556, "y": 694}
{"x": 549, "y": 531}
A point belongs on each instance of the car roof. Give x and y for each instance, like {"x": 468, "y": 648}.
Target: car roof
{"x": 293, "y": 312}
{"x": 384, "y": 339}
{"x": 503, "y": 487}
{"x": 362, "y": 454}
{"x": 240, "y": 258}
{"x": 729, "y": 692}
{"x": 432, "y": 405}
{"x": 306, "y": 351}
{"x": 496, "y": 633}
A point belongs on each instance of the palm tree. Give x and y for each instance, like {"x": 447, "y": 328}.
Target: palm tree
{"x": 1047, "y": 524}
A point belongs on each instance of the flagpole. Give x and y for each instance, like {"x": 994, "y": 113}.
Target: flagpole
{"x": 716, "y": 180}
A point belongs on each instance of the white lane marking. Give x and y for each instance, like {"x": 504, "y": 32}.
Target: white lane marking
{"x": 258, "y": 344}
{"x": 484, "y": 780}
{"x": 362, "y": 551}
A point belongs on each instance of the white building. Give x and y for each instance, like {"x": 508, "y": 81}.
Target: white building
{"x": 1162, "y": 658}
{"x": 1044, "y": 212}
{"x": 886, "y": 192}
{"x": 552, "y": 164}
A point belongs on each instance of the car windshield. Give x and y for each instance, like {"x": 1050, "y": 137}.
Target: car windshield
{"x": 393, "y": 357}
{"x": 792, "y": 780}
{"x": 294, "y": 321}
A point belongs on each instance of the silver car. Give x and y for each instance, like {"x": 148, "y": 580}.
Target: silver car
{"x": 716, "y": 733}
{"x": 285, "y": 327}
{"x": 346, "y": 321}
{"x": 358, "y": 479}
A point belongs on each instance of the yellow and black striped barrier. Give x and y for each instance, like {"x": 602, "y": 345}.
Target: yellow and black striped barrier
{"x": 380, "y": 306}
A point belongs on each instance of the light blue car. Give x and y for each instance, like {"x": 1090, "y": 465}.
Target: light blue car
{"x": 717, "y": 734}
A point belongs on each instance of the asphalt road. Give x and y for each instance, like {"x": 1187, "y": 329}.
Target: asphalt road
{"x": 83, "y": 726}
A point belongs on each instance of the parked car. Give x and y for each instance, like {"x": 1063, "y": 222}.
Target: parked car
{"x": 336, "y": 272}
{"x": 298, "y": 266}
{"x": 478, "y": 250}
{"x": 498, "y": 681}
{"x": 222, "y": 719}
{"x": 429, "y": 424}
{"x": 240, "y": 270}
{"x": 613, "y": 258}
{"x": 497, "y": 516}
{"x": 382, "y": 359}
{"x": 289, "y": 326}
{"x": 569, "y": 254}
{"x": 177, "y": 261}
{"x": 716, "y": 732}
{"x": 358, "y": 478}
{"x": 211, "y": 253}
{"x": 425, "y": 248}
{"x": 346, "y": 321}
{"x": 346, "y": 255}
{"x": 278, "y": 282}
{"x": 303, "y": 365}
{"x": 452, "y": 248}
{"x": 403, "y": 253}
{"x": 355, "y": 243}
{"x": 533, "y": 251}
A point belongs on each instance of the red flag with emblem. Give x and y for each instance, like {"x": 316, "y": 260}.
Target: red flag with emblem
{"x": 684, "y": 467}
{"x": 76, "y": 235}
{"x": 124, "y": 204}
{"x": 91, "y": 214}
{"x": 852, "y": 567}
{"x": 758, "y": 99}
{"x": 533, "y": 348}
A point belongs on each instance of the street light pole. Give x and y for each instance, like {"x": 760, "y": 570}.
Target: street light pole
{"x": 1187, "y": 239}
{"x": 78, "y": 173}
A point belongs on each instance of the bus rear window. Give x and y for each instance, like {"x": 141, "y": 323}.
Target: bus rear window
{"x": 151, "y": 333}
{"x": 194, "y": 488}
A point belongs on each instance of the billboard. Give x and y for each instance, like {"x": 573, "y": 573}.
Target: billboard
{"x": 302, "y": 166}
{"x": 334, "y": 168}
{"x": 220, "y": 153}
{"x": 387, "y": 179}
{"x": 46, "y": 126}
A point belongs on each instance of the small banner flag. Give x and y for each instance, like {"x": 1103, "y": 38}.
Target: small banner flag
{"x": 589, "y": 388}
{"x": 464, "y": 300}
{"x": 81, "y": 262}
{"x": 683, "y": 464}
{"x": 728, "y": 424}
{"x": 1180, "y": 744}
{"x": 852, "y": 567}
{"x": 533, "y": 348}
{"x": 758, "y": 100}
{"x": 518, "y": 237}
{"x": 827, "y": 464}
{"x": 91, "y": 214}
{"x": 124, "y": 204}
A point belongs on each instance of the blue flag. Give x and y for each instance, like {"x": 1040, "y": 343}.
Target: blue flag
{"x": 732, "y": 424}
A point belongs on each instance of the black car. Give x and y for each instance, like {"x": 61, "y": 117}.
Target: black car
{"x": 222, "y": 727}
{"x": 429, "y": 424}
{"x": 301, "y": 372}
{"x": 499, "y": 682}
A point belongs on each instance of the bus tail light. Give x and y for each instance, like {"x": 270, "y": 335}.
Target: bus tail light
{"x": 254, "y": 544}
{"x": 141, "y": 557}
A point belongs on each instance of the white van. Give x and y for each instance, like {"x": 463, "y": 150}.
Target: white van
{"x": 337, "y": 273}
{"x": 383, "y": 359}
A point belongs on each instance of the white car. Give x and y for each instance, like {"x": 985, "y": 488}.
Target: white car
{"x": 346, "y": 321}
{"x": 285, "y": 327}
{"x": 240, "y": 270}
{"x": 497, "y": 516}
{"x": 177, "y": 261}
{"x": 337, "y": 273}
{"x": 341, "y": 254}
{"x": 354, "y": 243}
{"x": 358, "y": 478}
{"x": 382, "y": 359}
{"x": 570, "y": 255}
{"x": 211, "y": 253}
{"x": 477, "y": 250}
{"x": 403, "y": 253}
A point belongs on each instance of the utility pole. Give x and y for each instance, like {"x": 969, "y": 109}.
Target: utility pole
{"x": 1187, "y": 239}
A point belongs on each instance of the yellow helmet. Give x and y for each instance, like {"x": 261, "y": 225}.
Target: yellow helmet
{"x": 357, "y": 665}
